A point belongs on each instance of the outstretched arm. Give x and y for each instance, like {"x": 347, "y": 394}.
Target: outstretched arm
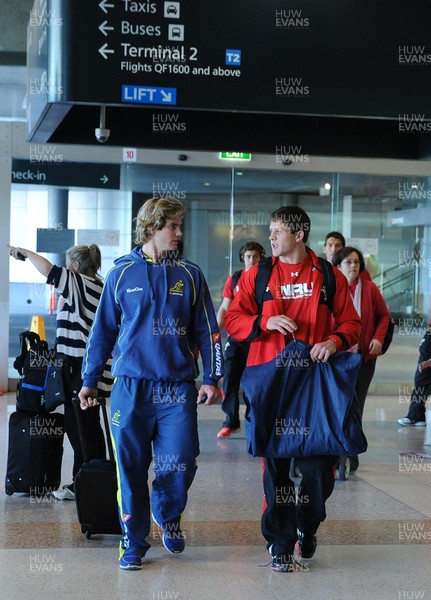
{"x": 42, "y": 264}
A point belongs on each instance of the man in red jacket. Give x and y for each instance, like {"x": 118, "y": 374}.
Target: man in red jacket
{"x": 295, "y": 305}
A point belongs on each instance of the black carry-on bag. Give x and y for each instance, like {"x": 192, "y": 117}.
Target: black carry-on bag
{"x": 35, "y": 451}
{"x": 32, "y": 366}
{"x": 96, "y": 485}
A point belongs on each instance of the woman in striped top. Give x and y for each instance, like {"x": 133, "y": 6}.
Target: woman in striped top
{"x": 79, "y": 288}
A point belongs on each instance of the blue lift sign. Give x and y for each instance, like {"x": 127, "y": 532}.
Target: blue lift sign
{"x": 139, "y": 94}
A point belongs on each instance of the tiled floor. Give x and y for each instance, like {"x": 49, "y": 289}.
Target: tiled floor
{"x": 375, "y": 543}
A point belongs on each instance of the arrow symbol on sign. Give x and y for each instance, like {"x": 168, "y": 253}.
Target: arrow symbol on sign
{"x": 104, "y": 179}
{"x": 104, "y": 5}
{"x": 104, "y": 51}
{"x": 165, "y": 96}
{"x": 104, "y": 27}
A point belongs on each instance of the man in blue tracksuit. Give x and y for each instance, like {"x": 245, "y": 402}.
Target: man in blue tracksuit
{"x": 155, "y": 314}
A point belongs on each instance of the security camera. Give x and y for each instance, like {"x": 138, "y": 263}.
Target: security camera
{"x": 102, "y": 135}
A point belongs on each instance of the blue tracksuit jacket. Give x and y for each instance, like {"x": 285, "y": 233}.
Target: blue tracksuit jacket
{"x": 155, "y": 316}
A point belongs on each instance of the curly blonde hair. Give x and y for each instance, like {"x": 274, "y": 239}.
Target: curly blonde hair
{"x": 154, "y": 213}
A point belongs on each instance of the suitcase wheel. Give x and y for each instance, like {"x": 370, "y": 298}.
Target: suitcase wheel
{"x": 344, "y": 468}
{"x": 8, "y": 488}
{"x": 85, "y": 528}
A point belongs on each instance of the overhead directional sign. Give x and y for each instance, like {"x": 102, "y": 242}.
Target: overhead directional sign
{"x": 65, "y": 174}
{"x": 302, "y": 60}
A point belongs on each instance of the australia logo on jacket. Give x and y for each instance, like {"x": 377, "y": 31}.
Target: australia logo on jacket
{"x": 177, "y": 289}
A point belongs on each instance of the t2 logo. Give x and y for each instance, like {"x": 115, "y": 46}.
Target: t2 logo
{"x": 233, "y": 57}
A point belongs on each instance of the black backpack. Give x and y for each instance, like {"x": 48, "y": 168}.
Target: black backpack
{"x": 264, "y": 271}
{"x": 32, "y": 366}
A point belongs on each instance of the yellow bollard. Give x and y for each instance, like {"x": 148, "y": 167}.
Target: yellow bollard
{"x": 38, "y": 326}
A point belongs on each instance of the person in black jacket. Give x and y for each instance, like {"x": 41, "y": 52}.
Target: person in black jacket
{"x": 422, "y": 388}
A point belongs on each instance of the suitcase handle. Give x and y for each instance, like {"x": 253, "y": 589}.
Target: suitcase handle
{"x": 77, "y": 406}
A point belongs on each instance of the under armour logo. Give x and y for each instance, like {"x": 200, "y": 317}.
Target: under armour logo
{"x": 292, "y": 274}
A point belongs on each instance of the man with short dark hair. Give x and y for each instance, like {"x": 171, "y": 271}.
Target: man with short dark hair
{"x": 155, "y": 310}
{"x": 295, "y": 306}
{"x": 334, "y": 241}
{"x": 235, "y": 353}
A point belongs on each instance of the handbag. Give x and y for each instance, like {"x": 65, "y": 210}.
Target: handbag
{"x": 53, "y": 395}
{"x": 388, "y": 336}
{"x": 297, "y": 407}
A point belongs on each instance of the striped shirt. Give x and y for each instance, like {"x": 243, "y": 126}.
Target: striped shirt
{"x": 81, "y": 296}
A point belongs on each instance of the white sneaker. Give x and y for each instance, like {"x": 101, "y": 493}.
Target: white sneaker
{"x": 64, "y": 494}
{"x": 406, "y": 422}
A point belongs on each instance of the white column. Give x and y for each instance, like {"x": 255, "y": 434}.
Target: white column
{"x": 5, "y": 193}
{"x": 114, "y": 214}
{"x": 347, "y": 216}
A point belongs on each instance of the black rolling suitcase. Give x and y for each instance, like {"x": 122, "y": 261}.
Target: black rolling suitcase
{"x": 96, "y": 486}
{"x": 35, "y": 452}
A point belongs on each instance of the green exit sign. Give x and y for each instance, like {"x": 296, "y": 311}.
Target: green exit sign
{"x": 235, "y": 155}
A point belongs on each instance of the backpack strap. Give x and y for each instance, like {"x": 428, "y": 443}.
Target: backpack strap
{"x": 262, "y": 278}
{"x": 235, "y": 279}
{"x": 328, "y": 279}
{"x": 261, "y": 283}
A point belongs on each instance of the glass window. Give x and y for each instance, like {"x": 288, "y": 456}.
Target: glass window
{"x": 387, "y": 217}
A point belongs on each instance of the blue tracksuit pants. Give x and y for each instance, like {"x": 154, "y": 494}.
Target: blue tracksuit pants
{"x": 153, "y": 421}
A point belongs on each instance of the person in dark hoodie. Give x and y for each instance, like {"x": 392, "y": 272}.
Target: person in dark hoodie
{"x": 154, "y": 312}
